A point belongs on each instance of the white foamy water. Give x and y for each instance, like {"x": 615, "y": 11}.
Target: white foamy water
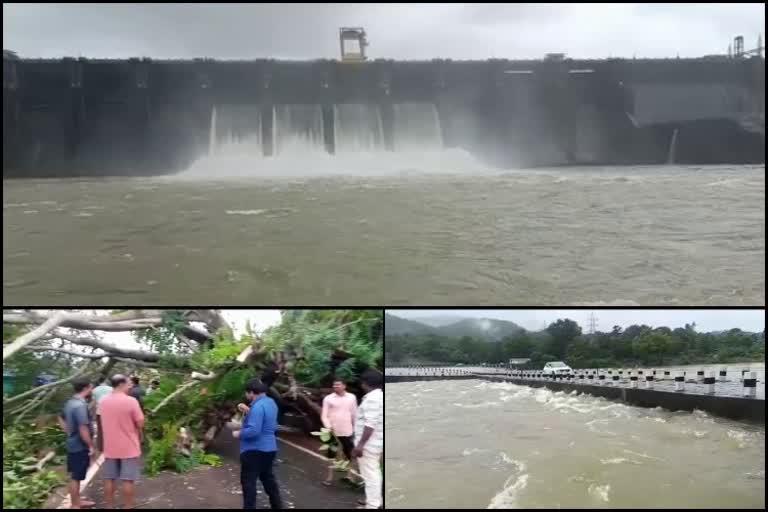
{"x": 239, "y": 164}
{"x": 544, "y": 449}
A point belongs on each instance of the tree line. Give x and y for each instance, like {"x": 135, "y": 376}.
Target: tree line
{"x": 564, "y": 340}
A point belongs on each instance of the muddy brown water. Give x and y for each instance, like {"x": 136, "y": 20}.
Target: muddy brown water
{"x": 630, "y": 235}
{"x": 475, "y": 444}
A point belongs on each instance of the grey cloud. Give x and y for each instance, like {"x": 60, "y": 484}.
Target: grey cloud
{"x": 706, "y": 320}
{"x": 402, "y": 31}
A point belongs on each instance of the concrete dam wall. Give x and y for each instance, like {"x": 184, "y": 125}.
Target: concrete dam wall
{"x": 143, "y": 117}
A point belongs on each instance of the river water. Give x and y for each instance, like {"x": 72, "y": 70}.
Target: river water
{"x": 403, "y": 233}
{"x": 475, "y": 444}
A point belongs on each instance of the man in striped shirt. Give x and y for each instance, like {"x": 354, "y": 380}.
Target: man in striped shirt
{"x": 369, "y": 436}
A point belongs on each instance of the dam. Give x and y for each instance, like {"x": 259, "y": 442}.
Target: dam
{"x": 85, "y": 117}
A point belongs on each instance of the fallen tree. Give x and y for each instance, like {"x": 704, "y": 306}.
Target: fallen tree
{"x": 202, "y": 365}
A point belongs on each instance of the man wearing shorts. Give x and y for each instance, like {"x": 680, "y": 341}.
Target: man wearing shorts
{"x": 339, "y": 410}
{"x": 122, "y": 421}
{"x": 76, "y": 422}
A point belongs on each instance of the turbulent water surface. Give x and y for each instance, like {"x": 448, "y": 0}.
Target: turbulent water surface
{"x": 389, "y": 235}
{"x": 473, "y": 444}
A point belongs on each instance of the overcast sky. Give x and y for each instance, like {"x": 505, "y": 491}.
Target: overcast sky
{"x": 260, "y": 320}
{"x": 399, "y": 31}
{"x": 535, "y": 319}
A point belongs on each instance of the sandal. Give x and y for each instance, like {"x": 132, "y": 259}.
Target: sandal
{"x": 326, "y": 483}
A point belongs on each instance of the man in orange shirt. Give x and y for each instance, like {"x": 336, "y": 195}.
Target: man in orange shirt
{"x": 122, "y": 421}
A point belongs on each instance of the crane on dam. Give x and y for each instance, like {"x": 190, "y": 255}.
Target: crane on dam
{"x": 353, "y": 35}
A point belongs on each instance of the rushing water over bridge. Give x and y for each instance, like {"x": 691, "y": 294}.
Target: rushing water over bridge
{"x": 737, "y": 393}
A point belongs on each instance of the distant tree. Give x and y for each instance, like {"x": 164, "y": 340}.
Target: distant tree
{"x": 562, "y": 332}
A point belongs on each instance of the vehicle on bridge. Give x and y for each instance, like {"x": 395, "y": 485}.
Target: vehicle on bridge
{"x": 556, "y": 368}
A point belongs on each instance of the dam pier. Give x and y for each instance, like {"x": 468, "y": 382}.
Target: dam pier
{"x": 79, "y": 116}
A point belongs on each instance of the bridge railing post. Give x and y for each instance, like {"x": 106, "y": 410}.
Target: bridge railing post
{"x": 680, "y": 381}
{"x": 750, "y": 385}
{"x": 709, "y": 380}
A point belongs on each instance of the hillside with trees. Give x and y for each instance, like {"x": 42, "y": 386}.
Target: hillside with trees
{"x": 491, "y": 329}
{"x": 564, "y": 340}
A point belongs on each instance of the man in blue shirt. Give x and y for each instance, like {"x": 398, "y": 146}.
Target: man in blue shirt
{"x": 258, "y": 446}
{"x": 76, "y": 422}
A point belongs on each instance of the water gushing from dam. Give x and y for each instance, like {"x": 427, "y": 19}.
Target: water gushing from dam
{"x": 672, "y": 148}
{"x": 235, "y": 131}
{"x": 298, "y": 129}
{"x": 238, "y": 147}
{"x": 416, "y": 127}
{"x": 358, "y": 128}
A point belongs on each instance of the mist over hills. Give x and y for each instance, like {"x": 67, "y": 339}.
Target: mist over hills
{"x": 455, "y": 327}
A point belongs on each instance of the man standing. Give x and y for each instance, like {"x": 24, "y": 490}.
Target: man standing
{"x": 122, "y": 421}
{"x": 338, "y": 415}
{"x": 76, "y": 422}
{"x": 99, "y": 393}
{"x": 258, "y": 445}
{"x": 369, "y": 436}
{"x": 153, "y": 386}
{"x": 137, "y": 391}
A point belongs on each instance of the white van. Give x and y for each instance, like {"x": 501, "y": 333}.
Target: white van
{"x": 557, "y": 368}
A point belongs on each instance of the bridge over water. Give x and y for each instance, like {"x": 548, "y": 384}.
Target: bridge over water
{"x": 736, "y": 393}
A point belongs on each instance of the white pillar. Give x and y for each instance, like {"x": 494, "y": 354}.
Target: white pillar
{"x": 723, "y": 374}
{"x": 633, "y": 381}
{"x": 709, "y": 380}
{"x": 679, "y": 381}
{"x": 750, "y": 383}
{"x": 649, "y": 382}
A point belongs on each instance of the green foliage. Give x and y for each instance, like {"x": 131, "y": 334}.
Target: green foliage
{"x": 29, "y": 491}
{"x": 171, "y": 361}
{"x": 183, "y": 463}
{"x": 162, "y": 451}
{"x": 563, "y": 340}
{"x": 562, "y": 333}
{"x": 330, "y": 443}
{"x": 320, "y": 335}
{"x": 225, "y": 350}
{"x": 12, "y": 331}
{"x": 163, "y": 339}
{"x": 22, "y": 445}
{"x": 209, "y": 459}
